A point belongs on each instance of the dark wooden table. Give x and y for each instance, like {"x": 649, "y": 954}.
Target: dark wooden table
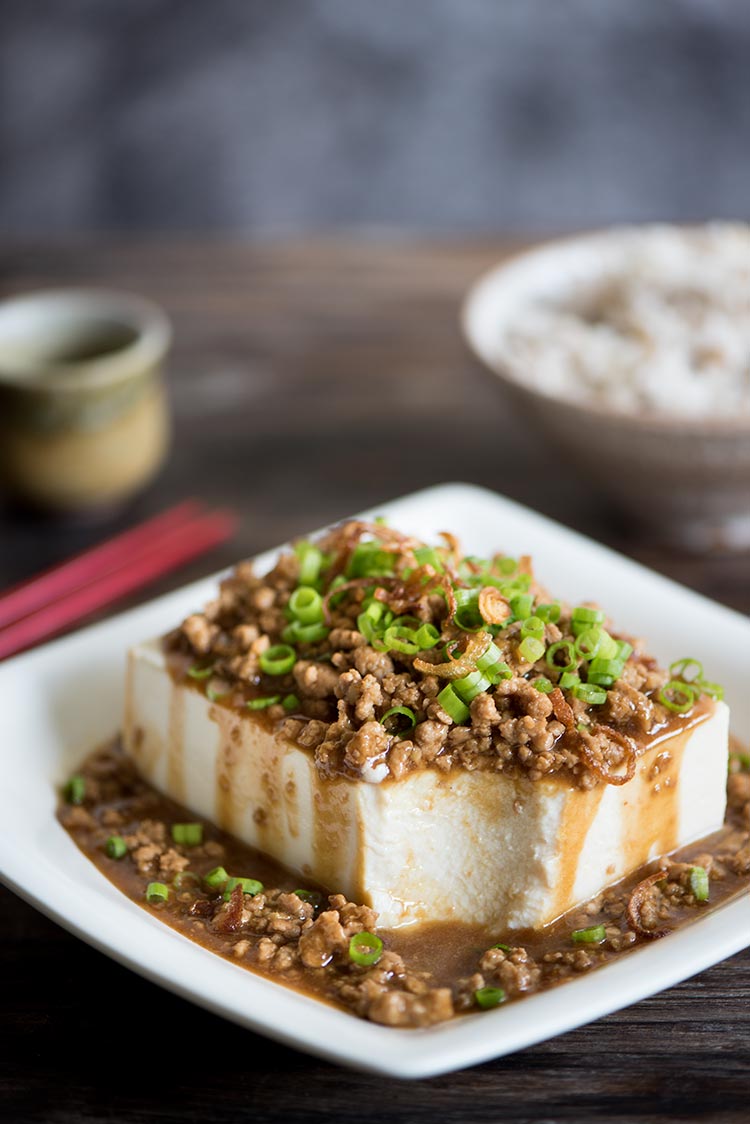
{"x": 309, "y": 380}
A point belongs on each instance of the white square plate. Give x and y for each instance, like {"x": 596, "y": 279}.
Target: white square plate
{"x": 58, "y": 702}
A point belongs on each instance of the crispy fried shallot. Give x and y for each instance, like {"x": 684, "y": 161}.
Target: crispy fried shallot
{"x": 493, "y": 606}
{"x": 354, "y": 583}
{"x": 466, "y": 662}
{"x": 635, "y": 904}
{"x": 595, "y": 764}
{"x": 231, "y": 919}
{"x": 562, "y": 709}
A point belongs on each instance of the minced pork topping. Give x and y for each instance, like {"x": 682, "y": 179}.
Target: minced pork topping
{"x": 382, "y": 655}
{"x": 243, "y": 906}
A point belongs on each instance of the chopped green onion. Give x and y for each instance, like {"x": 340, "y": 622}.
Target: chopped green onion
{"x": 306, "y": 605}
{"x": 487, "y": 997}
{"x": 467, "y": 615}
{"x": 624, "y": 650}
{"x": 397, "y": 712}
{"x": 543, "y": 684}
{"x": 290, "y": 702}
{"x": 427, "y": 636}
{"x": 365, "y": 949}
{"x": 310, "y": 561}
{"x": 595, "y": 935}
{"x": 489, "y": 658}
{"x": 586, "y": 615}
{"x": 506, "y": 566}
{"x": 715, "y": 690}
{"x": 338, "y": 581}
{"x": 116, "y": 847}
{"x": 471, "y": 685}
{"x": 263, "y": 703}
{"x": 198, "y": 672}
{"x": 188, "y": 834}
{"x": 601, "y": 666}
{"x": 401, "y": 638}
{"x": 368, "y": 559}
{"x": 588, "y": 643}
{"x": 687, "y": 669}
{"x": 677, "y": 696}
{"x": 249, "y": 886}
{"x": 428, "y": 556}
{"x": 312, "y": 897}
{"x": 75, "y": 789}
{"x": 568, "y": 680}
{"x": 216, "y": 877}
{"x": 590, "y": 693}
{"x": 298, "y": 633}
{"x": 215, "y": 696}
{"x": 608, "y": 647}
{"x": 492, "y": 666}
{"x": 699, "y": 883}
{"x": 504, "y": 947}
{"x": 278, "y": 659}
{"x": 521, "y": 604}
{"x": 531, "y": 649}
{"x": 452, "y": 705}
{"x": 743, "y": 760}
{"x": 549, "y": 612}
{"x": 568, "y": 651}
{"x": 157, "y": 892}
{"x": 532, "y": 626}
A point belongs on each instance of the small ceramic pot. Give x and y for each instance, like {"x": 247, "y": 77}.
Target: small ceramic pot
{"x": 84, "y": 421}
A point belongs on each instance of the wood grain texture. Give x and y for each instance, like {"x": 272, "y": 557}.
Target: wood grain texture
{"x": 309, "y": 380}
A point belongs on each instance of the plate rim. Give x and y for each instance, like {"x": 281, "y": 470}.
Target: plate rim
{"x": 389, "y": 1051}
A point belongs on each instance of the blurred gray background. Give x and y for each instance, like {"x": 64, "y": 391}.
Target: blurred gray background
{"x": 273, "y": 116}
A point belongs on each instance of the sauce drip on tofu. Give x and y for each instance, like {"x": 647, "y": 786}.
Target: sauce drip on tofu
{"x": 238, "y": 903}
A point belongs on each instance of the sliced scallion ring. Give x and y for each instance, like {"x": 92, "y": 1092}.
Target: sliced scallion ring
{"x": 488, "y": 997}
{"x": 188, "y": 834}
{"x": 157, "y": 892}
{"x": 249, "y": 886}
{"x": 452, "y": 705}
{"x": 365, "y": 949}
{"x": 699, "y": 883}
{"x": 263, "y": 702}
{"x": 590, "y": 693}
{"x": 116, "y": 847}
{"x": 531, "y": 648}
{"x": 687, "y": 669}
{"x": 306, "y": 605}
{"x": 198, "y": 672}
{"x": 310, "y": 562}
{"x": 278, "y": 659}
{"x": 399, "y": 719}
{"x": 593, "y": 935}
{"x": 216, "y": 877}
{"x": 677, "y": 696}
{"x": 561, "y": 656}
{"x": 75, "y": 789}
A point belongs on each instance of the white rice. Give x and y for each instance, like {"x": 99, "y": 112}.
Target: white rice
{"x": 667, "y": 331}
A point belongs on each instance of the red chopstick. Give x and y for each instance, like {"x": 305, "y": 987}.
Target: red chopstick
{"x": 176, "y": 547}
{"x": 52, "y": 584}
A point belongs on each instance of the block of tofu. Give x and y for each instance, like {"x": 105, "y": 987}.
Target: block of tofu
{"x": 478, "y": 846}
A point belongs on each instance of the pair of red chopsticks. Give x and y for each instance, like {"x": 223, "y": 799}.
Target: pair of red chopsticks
{"x": 44, "y": 606}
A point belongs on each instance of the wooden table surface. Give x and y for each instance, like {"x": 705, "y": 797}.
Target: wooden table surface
{"x": 311, "y": 379}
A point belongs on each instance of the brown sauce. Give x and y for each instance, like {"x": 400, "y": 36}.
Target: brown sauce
{"x": 427, "y": 972}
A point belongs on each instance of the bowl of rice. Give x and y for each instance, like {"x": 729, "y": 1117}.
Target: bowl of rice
{"x": 632, "y": 349}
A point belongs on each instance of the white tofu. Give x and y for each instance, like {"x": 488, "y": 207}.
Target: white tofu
{"x": 475, "y": 846}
